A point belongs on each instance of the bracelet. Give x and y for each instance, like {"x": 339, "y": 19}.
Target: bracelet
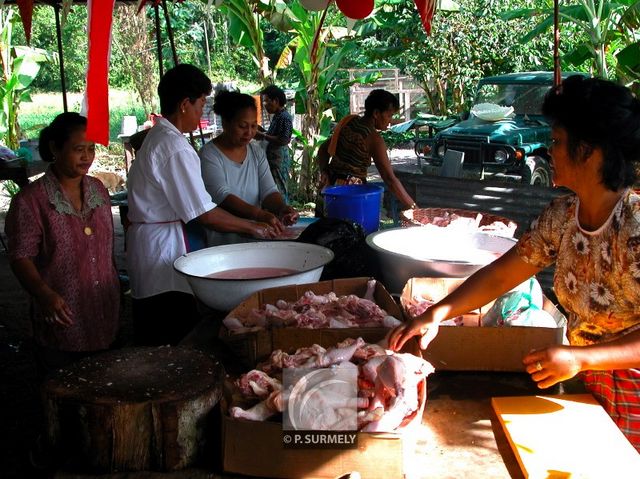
{"x": 413, "y": 206}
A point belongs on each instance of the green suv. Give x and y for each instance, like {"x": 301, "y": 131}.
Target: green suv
{"x": 513, "y": 147}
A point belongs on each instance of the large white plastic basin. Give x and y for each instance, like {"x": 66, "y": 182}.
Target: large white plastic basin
{"x": 226, "y": 294}
{"x": 405, "y": 253}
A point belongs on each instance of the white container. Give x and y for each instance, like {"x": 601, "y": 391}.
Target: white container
{"x": 406, "y": 253}
{"x": 129, "y": 125}
{"x": 225, "y": 294}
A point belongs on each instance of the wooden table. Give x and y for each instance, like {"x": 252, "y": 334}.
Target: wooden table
{"x": 21, "y": 172}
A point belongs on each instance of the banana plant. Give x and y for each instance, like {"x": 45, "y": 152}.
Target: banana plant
{"x": 628, "y": 68}
{"x": 597, "y": 20}
{"x": 244, "y": 28}
{"x": 19, "y": 67}
{"x": 317, "y": 51}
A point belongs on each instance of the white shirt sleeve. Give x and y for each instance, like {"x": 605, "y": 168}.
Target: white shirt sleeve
{"x": 183, "y": 185}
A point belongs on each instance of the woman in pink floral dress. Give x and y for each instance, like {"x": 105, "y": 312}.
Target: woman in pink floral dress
{"x": 60, "y": 232}
{"x": 593, "y": 238}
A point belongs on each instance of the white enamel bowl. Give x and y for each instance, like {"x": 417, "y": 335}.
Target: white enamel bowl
{"x": 404, "y": 253}
{"x": 225, "y": 294}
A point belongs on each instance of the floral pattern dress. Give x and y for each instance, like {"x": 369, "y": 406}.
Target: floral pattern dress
{"x": 73, "y": 252}
{"x": 597, "y": 281}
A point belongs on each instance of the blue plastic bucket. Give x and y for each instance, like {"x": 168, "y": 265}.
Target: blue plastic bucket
{"x": 358, "y": 203}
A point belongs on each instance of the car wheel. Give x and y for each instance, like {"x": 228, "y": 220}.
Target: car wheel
{"x": 537, "y": 172}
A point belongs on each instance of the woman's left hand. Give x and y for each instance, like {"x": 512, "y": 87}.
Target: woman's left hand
{"x": 552, "y": 365}
{"x": 288, "y": 215}
{"x": 269, "y": 218}
{"x": 263, "y": 231}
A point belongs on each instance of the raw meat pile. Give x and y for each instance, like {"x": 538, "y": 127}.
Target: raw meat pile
{"x": 314, "y": 311}
{"x": 466, "y": 224}
{"x": 418, "y": 305}
{"x": 390, "y": 387}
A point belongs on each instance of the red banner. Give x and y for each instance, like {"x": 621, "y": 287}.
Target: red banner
{"x": 26, "y": 13}
{"x": 97, "y": 94}
{"x": 426, "y": 9}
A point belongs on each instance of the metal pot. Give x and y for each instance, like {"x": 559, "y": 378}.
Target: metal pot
{"x": 405, "y": 253}
{"x": 225, "y": 294}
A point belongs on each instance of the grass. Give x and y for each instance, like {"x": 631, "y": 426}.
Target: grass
{"x": 37, "y": 114}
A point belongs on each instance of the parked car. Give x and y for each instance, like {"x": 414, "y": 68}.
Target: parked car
{"x": 505, "y": 135}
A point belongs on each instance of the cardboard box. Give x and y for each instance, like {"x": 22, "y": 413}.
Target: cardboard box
{"x": 256, "y": 346}
{"x": 468, "y": 348}
{"x": 256, "y": 449}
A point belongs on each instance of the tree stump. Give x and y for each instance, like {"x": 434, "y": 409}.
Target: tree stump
{"x": 133, "y": 409}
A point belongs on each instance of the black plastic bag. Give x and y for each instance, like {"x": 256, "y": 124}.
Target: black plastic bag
{"x": 352, "y": 256}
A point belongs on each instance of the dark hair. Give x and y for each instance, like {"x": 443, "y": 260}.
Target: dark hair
{"x": 598, "y": 113}
{"x": 380, "y": 100}
{"x": 182, "y": 81}
{"x": 275, "y": 93}
{"x": 227, "y": 104}
{"x": 59, "y": 131}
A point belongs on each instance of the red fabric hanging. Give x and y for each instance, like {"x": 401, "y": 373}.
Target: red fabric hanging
{"x": 426, "y": 9}
{"x": 97, "y": 94}
{"x": 26, "y": 13}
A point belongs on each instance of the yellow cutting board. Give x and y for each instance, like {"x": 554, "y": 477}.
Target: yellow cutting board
{"x": 566, "y": 437}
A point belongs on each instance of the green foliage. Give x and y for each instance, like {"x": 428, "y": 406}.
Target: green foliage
{"x": 243, "y": 23}
{"x": 602, "y": 29}
{"x": 394, "y": 140}
{"x": 10, "y": 188}
{"x": 20, "y": 66}
{"x": 74, "y": 40}
{"x": 463, "y": 47}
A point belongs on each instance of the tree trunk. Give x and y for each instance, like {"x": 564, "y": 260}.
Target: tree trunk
{"x": 133, "y": 409}
{"x": 308, "y": 167}
{"x": 136, "y": 51}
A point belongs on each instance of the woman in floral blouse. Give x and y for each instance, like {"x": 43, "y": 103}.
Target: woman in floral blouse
{"x": 60, "y": 232}
{"x": 593, "y": 238}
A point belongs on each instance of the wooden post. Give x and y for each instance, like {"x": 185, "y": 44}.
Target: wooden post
{"x": 170, "y": 32}
{"x": 63, "y": 83}
{"x": 158, "y": 40}
{"x": 557, "y": 74}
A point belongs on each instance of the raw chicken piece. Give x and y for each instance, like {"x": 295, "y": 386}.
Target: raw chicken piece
{"x": 261, "y": 411}
{"x": 390, "y": 322}
{"x": 257, "y": 383}
{"x": 334, "y": 356}
{"x": 365, "y": 417}
{"x": 371, "y": 289}
{"x": 388, "y": 388}
{"x": 397, "y": 382}
{"x": 315, "y": 311}
{"x": 280, "y": 360}
{"x": 232, "y": 323}
{"x": 368, "y": 351}
{"x": 370, "y": 368}
{"x": 418, "y": 305}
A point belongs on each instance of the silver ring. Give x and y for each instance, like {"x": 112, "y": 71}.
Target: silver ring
{"x": 538, "y": 366}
